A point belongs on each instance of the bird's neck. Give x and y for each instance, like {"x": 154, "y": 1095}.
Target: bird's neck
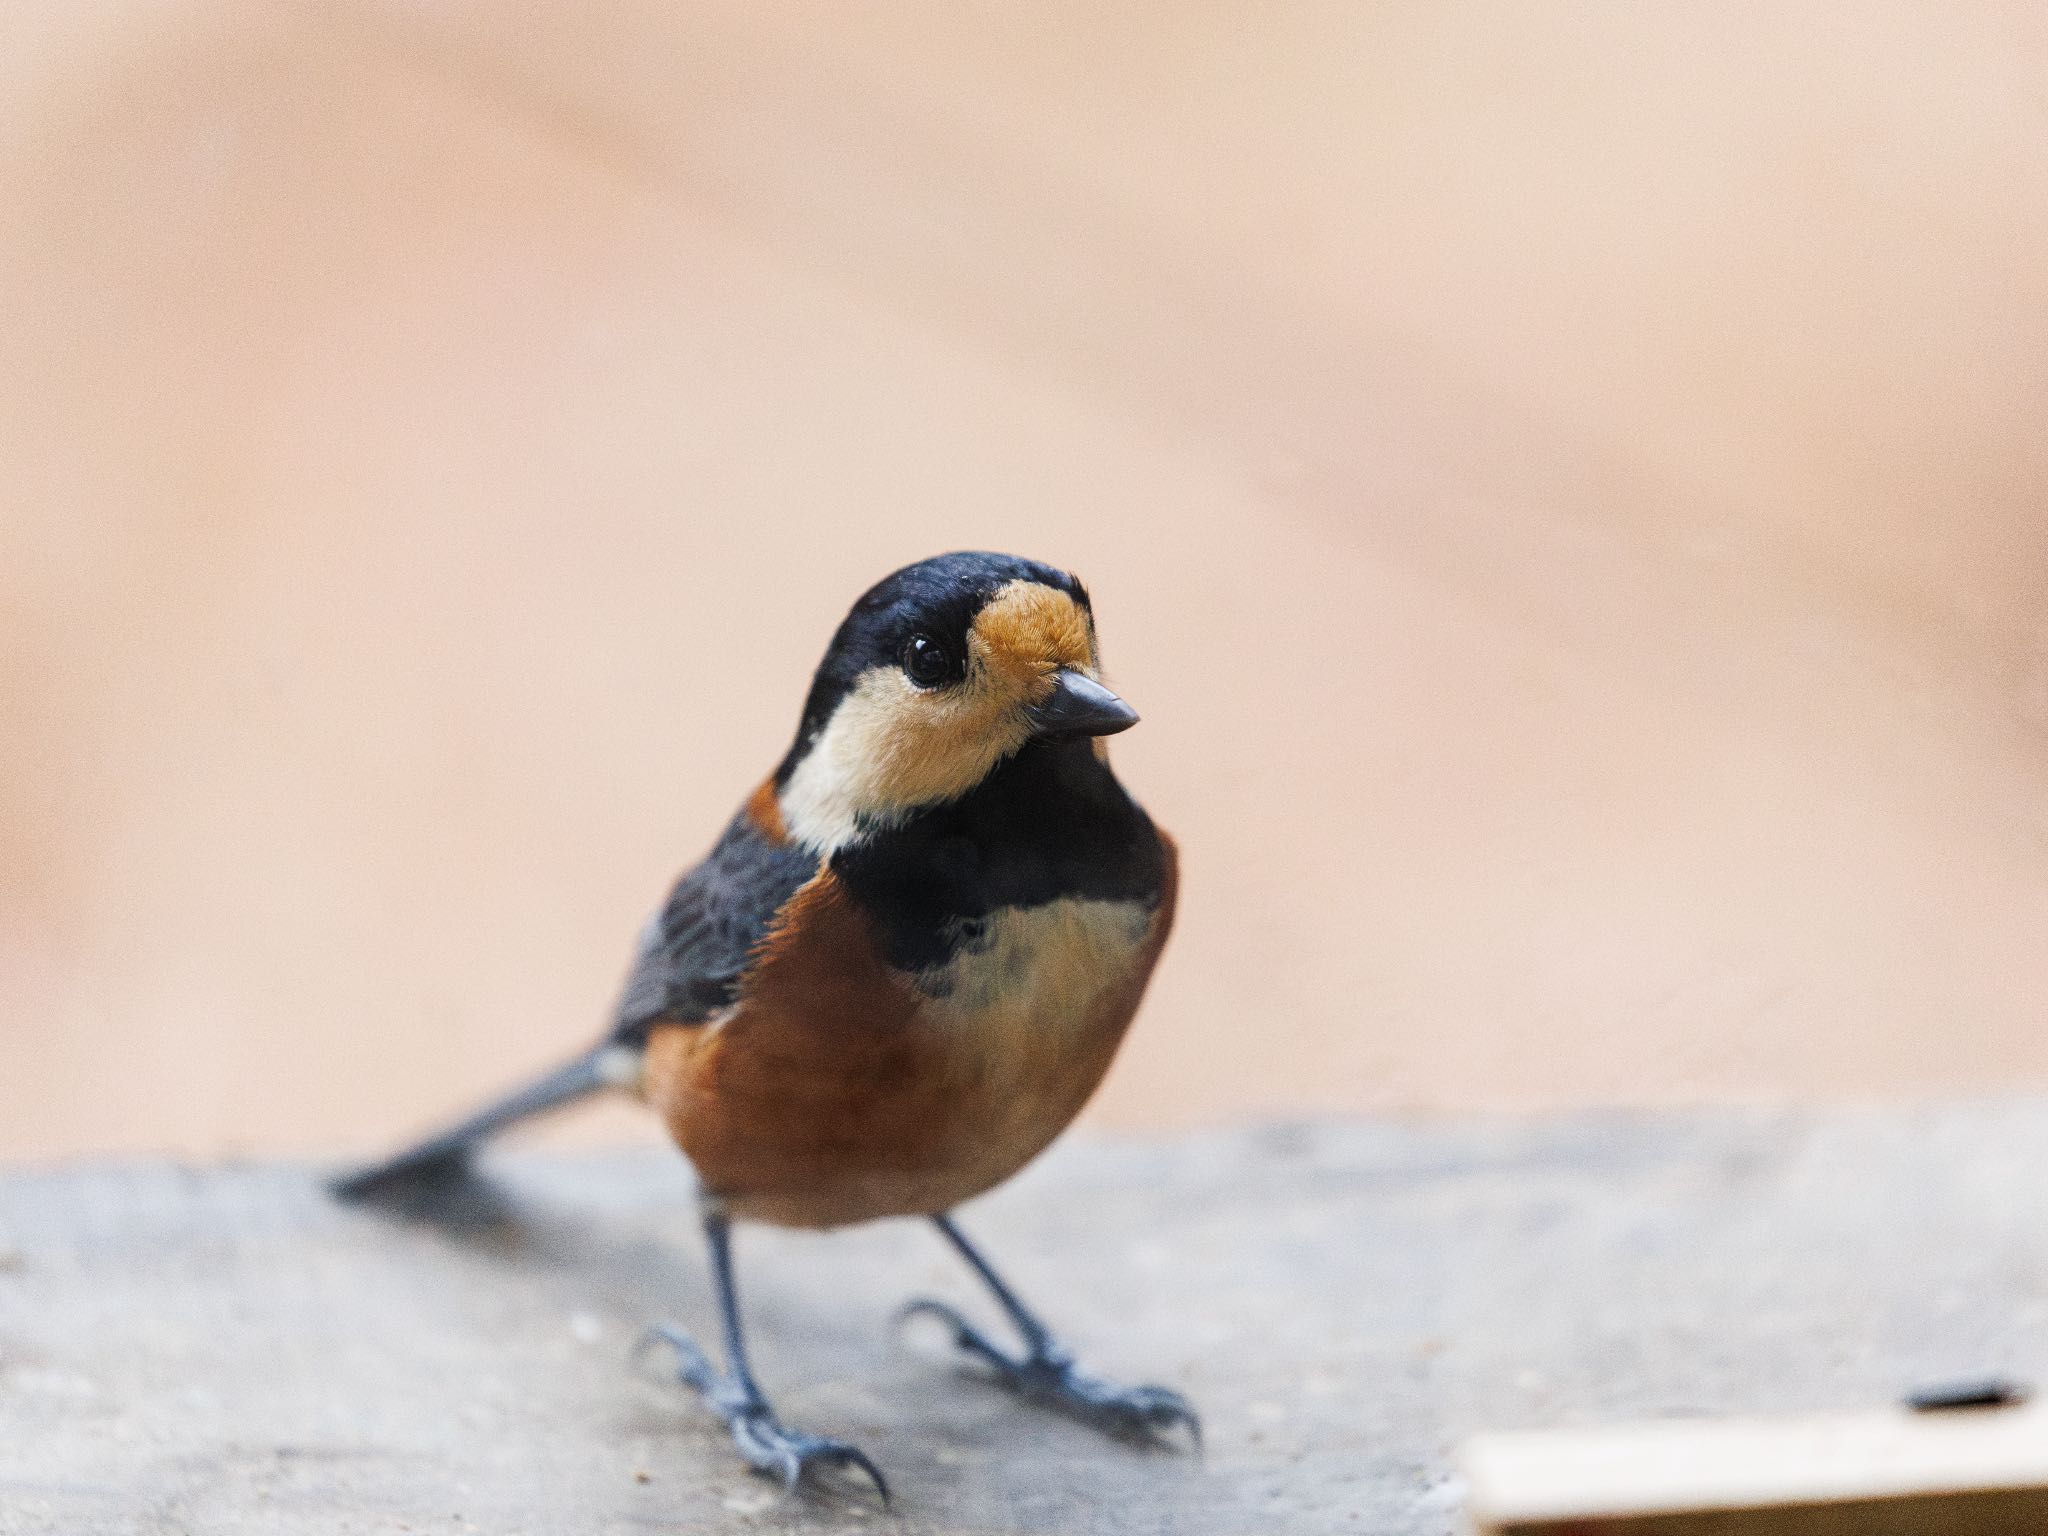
{"x": 1051, "y": 823}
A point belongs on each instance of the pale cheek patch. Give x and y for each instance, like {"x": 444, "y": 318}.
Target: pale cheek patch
{"x": 892, "y": 747}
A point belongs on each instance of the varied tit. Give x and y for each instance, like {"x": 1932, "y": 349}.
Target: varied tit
{"x": 901, "y": 971}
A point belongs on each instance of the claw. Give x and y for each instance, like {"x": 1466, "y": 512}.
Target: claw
{"x": 768, "y": 1447}
{"x": 693, "y": 1366}
{"x": 967, "y": 1338}
{"x": 853, "y": 1456}
{"x": 931, "y": 1306}
{"x": 1047, "y": 1374}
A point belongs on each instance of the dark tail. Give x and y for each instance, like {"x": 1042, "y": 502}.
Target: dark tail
{"x": 446, "y": 1156}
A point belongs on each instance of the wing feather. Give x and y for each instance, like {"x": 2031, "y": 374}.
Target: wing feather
{"x": 695, "y": 949}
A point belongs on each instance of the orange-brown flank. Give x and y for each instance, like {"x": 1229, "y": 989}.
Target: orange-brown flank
{"x": 836, "y": 1091}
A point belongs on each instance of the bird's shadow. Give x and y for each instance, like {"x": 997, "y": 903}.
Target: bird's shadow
{"x": 453, "y": 1198}
{"x": 628, "y": 1246}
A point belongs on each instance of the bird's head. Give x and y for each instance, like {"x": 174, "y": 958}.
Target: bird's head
{"x": 939, "y": 673}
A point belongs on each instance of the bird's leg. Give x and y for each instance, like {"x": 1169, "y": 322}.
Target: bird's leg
{"x": 1045, "y": 1371}
{"x": 735, "y": 1396}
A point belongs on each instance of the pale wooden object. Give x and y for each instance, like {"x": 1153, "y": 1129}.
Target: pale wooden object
{"x": 1958, "y": 1474}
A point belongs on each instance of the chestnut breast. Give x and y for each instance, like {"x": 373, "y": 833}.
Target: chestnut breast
{"x": 840, "y": 1090}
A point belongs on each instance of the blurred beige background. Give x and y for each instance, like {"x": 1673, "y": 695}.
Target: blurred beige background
{"x": 1564, "y": 484}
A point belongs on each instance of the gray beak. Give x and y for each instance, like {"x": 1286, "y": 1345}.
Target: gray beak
{"x": 1080, "y": 706}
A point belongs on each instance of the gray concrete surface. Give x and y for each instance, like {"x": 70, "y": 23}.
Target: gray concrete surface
{"x": 222, "y": 1350}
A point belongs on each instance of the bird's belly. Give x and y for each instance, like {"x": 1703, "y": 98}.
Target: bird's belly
{"x": 841, "y": 1096}
{"x": 1023, "y": 1022}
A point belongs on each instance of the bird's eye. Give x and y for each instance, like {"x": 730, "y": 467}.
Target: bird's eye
{"x": 925, "y": 661}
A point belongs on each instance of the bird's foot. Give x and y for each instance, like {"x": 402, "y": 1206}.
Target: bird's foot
{"x": 768, "y": 1447}
{"x": 1046, "y": 1373}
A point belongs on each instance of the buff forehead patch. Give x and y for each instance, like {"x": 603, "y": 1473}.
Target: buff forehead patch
{"x": 1029, "y": 630}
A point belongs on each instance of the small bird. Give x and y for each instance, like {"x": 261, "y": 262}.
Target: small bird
{"x": 900, "y": 972}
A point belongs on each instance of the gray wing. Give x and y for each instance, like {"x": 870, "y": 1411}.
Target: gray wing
{"x": 694, "y": 951}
